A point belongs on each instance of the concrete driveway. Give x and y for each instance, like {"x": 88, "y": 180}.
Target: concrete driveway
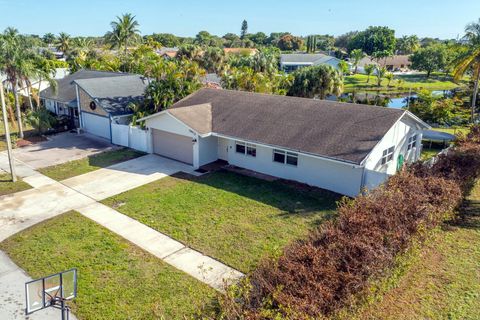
{"x": 61, "y": 148}
{"x": 124, "y": 176}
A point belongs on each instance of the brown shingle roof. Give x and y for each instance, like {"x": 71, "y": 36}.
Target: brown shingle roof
{"x": 198, "y": 117}
{"x": 342, "y": 131}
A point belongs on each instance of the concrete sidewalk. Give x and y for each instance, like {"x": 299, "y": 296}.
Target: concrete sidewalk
{"x": 12, "y": 294}
{"x": 196, "y": 264}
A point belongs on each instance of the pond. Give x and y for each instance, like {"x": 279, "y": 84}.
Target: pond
{"x": 397, "y": 100}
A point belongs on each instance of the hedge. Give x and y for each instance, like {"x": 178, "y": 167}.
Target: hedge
{"x": 318, "y": 276}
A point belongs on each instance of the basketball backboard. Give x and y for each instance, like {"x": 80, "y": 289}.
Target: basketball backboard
{"x": 51, "y": 290}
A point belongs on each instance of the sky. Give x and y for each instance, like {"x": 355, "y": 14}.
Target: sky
{"x": 445, "y": 19}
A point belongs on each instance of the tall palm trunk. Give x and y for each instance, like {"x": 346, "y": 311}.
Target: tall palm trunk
{"x": 475, "y": 93}
{"x": 19, "y": 112}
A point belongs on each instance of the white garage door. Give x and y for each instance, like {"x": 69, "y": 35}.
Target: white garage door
{"x": 173, "y": 146}
{"x": 96, "y": 125}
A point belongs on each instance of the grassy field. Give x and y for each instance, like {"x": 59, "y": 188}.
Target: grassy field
{"x": 116, "y": 280}
{"x": 444, "y": 280}
{"x": 233, "y": 218}
{"x": 414, "y": 82}
{"x": 77, "y": 167}
{"x": 7, "y": 186}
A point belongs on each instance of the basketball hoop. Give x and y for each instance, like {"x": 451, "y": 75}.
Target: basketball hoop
{"x": 51, "y": 291}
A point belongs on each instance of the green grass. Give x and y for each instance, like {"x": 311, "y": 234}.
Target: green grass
{"x": 8, "y": 187}
{"x": 443, "y": 282}
{"x": 453, "y": 130}
{"x": 428, "y": 153}
{"x": 13, "y": 133}
{"x": 233, "y": 218}
{"x": 414, "y": 82}
{"x": 116, "y": 280}
{"x": 77, "y": 167}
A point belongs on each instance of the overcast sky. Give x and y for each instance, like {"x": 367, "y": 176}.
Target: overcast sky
{"x": 440, "y": 18}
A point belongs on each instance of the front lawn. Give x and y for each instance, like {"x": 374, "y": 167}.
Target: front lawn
{"x": 443, "y": 280}
{"x": 428, "y": 153}
{"x": 7, "y": 186}
{"x": 116, "y": 280}
{"x": 77, "y": 167}
{"x": 233, "y": 218}
{"x": 407, "y": 82}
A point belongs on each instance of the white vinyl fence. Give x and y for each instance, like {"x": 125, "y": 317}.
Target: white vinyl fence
{"x": 128, "y": 136}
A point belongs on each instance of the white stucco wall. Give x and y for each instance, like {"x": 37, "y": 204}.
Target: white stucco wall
{"x": 168, "y": 123}
{"x": 207, "y": 150}
{"x": 338, "y": 177}
{"x": 397, "y": 136}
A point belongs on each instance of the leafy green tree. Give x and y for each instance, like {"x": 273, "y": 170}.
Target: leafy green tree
{"x": 191, "y": 52}
{"x": 259, "y": 38}
{"x": 369, "y": 68}
{"x": 324, "y": 42}
{"x": 356, "y": 55}
{"x": 321, "y": 80}
{"x": 289, "y": 43}
{"x": 408, "y": 44}
{"x": 430, "y": 59}
{"x": 244, "y": 30}
{"x": 274, "y": 38}
{"x": 165, "y": 39}
{"x": 311, "y": 44}
{"x": 247, "y": 79}
{"x": 173, "y": 80}
{"x": 49, "y": 38}
{"x": 63, "y": 42}
{"x": 124, "y": 31}
{"x": 435, "y": 110}
{"x": 373, "y": 39}
{"x": 41, "y": 120}
{"x": 343, "y": 40}
{"x": 213, "y": 59}
{"x": 470, "y": 61}
{"x": 204, "y": 38}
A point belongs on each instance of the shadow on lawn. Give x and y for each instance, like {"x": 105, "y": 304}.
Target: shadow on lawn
{"x": 291, "y": 198}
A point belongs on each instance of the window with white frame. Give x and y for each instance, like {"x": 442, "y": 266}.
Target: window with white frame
{"x": 387, "y": 155}
{"x": 412, "y": 142}
{"x": 285, "y": 157}
{"x": 246, "y": 148}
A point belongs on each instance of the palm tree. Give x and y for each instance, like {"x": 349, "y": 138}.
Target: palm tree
{"x": 124, "y": 30}
{"x": 48, "y": 38}
{"x": 389, "y": 77}
{"x": 63, "y": 42}
{"x": 369, "y": 68}
{"x": 381, "y": 71}
{"x": 470, "y": 61}
{"x": 356, "y": 55}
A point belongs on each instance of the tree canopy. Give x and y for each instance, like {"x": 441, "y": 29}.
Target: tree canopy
{"x": 373, "y": 39}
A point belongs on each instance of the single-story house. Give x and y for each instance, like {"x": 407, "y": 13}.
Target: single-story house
{"x": 95, "y": 99}
{"x": 293, "y": 61}
{"x": 336, "y": 146}
{"x": 393, "y": 63}
{"x": 168, "y": 53}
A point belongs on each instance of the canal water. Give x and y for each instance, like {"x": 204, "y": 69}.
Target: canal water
{"x": 397, "y": 101}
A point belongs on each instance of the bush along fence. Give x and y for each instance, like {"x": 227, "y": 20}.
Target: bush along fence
{"x": 320, "y": 275}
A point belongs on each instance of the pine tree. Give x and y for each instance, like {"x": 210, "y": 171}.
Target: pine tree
{"x": 244, "y": 29}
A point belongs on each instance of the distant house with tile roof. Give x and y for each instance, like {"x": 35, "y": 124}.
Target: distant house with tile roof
{"x": 293, "y": 61}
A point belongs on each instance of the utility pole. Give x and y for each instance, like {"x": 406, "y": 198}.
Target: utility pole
{"x": 7, "y": 134}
